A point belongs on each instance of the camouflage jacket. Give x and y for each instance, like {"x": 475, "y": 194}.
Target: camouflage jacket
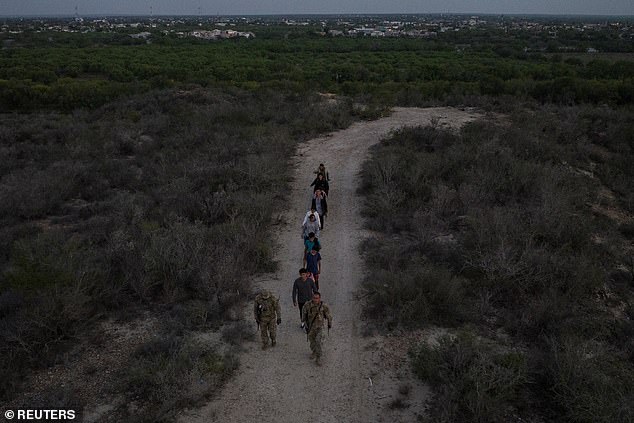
{"x": 314, "y": 314}
{"x": 266, "y": 307}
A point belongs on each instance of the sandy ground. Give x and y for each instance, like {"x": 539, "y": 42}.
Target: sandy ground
{"x": 360, "y": 376}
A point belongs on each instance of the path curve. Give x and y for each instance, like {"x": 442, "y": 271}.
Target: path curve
{"x": 281, "y": 384}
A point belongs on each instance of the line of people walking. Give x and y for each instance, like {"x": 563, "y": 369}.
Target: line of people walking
{"x": 313, "y": 312}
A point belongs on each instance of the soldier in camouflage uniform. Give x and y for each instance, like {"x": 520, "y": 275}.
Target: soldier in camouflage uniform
{"x": 265, "y": 310}
{"x": 313, "y": 315}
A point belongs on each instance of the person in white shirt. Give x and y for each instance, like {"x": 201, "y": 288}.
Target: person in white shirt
{"x": 310, "y": 226}
{"x": 308, "y": 213}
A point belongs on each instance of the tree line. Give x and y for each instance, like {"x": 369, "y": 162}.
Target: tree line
{"x": 396, "y": 71}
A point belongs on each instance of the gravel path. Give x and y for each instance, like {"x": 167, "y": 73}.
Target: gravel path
{"x": 282, "y": 384}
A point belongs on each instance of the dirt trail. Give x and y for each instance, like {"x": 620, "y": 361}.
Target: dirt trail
{"x": 282, "y": 384}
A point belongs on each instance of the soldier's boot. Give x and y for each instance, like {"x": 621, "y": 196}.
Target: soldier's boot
{"x": 318, "y": 361}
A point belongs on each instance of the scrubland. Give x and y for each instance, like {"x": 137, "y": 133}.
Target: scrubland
{"x": 515, "y": 234}
{"x": 157, "y": 203}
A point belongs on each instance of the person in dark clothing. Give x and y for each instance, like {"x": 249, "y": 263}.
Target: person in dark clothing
{"x": 303, "y": 290}
{"x": 322, "y": 169}
{"x": 320, "y": 183}
{"x": 320, "y": 205}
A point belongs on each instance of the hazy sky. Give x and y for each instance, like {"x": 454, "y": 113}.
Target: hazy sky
{"x": 238, "y": 7}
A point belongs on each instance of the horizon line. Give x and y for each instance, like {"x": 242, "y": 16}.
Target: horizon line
{"x": 318, "y": 14}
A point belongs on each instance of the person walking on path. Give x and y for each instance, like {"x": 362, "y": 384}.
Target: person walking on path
{"x": 303, "y": 290}
{"x": 308, "y": 213}
{"x": 320, "y": 204}
{"x": 314, "y": 313}
{"x": 312, "y": 263}
{"x": 322, "y": 169}
{"x": 267, "y": 313}
{"x": 310, "y": 226}
{"x": 320, "y": 183}
{"x": 311, "y": 242}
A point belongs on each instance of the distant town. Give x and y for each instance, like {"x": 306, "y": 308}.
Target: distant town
{"x": 413, "y": 26}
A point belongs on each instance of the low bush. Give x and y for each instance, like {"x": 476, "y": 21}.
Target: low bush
{"x": 171, "y": 373}
{"x": 160, "y": 201}
{"x": 474, "y": 381}
{"x": 517, "y": 228}
{"x": 587, "y": 381}
{"x": 238, "y": 332}
{"x": 415, "y": 295}
{"x": 627, "y": 229}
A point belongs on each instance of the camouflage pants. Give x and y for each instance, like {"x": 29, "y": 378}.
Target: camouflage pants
{"x": 314, "y": 336}
{"x": 268, "y": 327}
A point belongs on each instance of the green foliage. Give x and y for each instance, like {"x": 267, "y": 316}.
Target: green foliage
{"x": 394, "y": 71}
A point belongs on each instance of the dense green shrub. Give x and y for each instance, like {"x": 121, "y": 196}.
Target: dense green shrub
{"x": 390, "y": 71}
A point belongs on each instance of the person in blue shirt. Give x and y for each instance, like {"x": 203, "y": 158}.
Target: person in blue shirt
{"x": 311, "y": 242}
{"x": 312, "y": 263}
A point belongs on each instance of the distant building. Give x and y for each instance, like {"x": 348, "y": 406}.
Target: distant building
{"x": 144, "y": 35}
{"x": 364, "y": 31}
{"x": 216, "y": 34}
